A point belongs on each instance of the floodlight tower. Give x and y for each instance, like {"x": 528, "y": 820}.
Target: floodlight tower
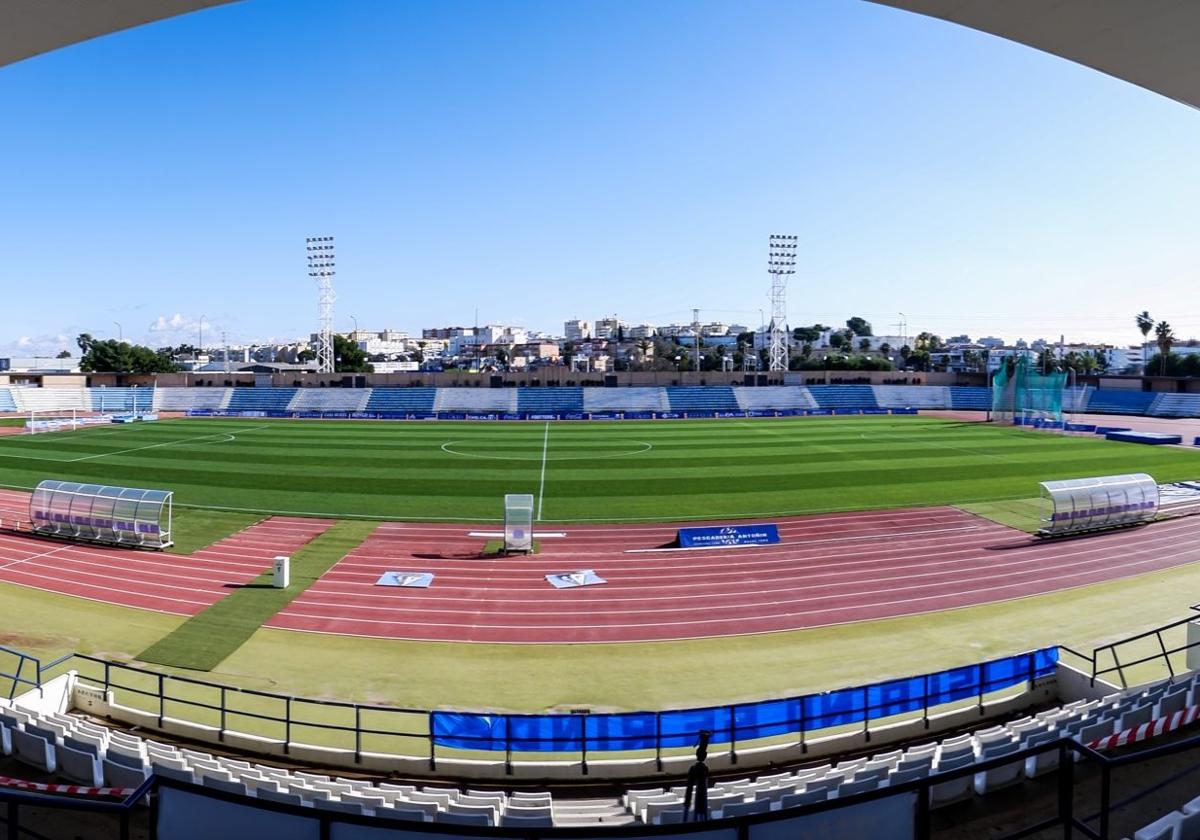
{"x": 781, "y": 263}
{"x": 320, "y": 268}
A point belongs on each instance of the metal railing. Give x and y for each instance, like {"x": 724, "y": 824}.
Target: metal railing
{"x": 27, "y": 672}
{"x": 423, "y": 734}
{"x": 1161, "y": 650}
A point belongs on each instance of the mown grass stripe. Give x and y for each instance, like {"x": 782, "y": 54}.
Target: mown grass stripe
{"x": 204, "y": 641}
{"x": 724, "y": 468}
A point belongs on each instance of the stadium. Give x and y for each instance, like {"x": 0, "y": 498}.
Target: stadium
{"x": 739, "y": 606}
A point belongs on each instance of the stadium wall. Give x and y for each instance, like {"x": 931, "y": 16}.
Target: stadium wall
{"x": 641, "y": 403}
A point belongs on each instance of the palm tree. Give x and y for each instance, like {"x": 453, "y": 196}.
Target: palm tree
{"x": 85, "y": 342}
{"x": 1144, "y": 323}
{"x": 1164, "y": 338}
{"x": 643, "y": 347}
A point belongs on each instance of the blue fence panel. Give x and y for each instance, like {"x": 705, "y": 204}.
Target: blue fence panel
{"x": 546, "y": 733}
{"x": 953, "y": 685}
{"x": 768, "y": 719}
{"x": 835, "y": 708}
{"x": 679, "y": 728}
{"x": 469, "y": 731}
{"x": 896, "y": 697}
{"x": 633, "y": 731}
{"x": 742, "y": 722}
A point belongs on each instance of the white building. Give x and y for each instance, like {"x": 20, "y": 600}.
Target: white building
{"x": 577, "y": 330}
{"x": 608, "y": 328}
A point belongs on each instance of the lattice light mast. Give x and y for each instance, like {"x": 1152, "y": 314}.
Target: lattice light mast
{"x": 320, "y": 268}
{"x": 781, "y": 263}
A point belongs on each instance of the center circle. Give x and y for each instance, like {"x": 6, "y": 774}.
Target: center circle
{"x": 589, "y": 451}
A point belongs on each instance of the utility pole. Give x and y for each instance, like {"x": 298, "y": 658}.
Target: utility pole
{"x": 696, "y": 335}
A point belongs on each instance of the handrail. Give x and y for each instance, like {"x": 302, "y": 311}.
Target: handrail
{"x": 443, "y": 734}
{"x": 17, "y": 677}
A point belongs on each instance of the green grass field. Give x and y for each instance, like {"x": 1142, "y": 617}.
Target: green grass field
{"x": 233, "y": 471}
{"x": 578, "y": 471}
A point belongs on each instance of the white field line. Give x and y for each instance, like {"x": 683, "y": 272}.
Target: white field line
{"x": 157, "y": 445}
{"x": 227, "y": 438}
{"x": 542, "y": 483}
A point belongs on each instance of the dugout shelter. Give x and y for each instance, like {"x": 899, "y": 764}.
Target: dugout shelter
{"x": 102, "y": 514}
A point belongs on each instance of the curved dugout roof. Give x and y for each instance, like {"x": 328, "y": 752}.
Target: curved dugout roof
{"x": 1151, "y": 43}
{"x": 33, "y": 27}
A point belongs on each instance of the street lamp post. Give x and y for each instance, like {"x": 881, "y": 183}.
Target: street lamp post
{"x": 120, "y": 332}
{"x": 200, "y": 341}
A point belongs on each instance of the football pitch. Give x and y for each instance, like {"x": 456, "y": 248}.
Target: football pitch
{"x": 577, "y": 472}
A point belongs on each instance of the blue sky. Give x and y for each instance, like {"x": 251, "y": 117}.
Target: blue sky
{"x": 544, "y": 160}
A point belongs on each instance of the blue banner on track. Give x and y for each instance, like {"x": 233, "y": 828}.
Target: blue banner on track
{"x": 764, "y": 534}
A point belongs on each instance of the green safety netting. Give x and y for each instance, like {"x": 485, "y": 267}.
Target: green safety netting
{"x": 1020, "y": 393}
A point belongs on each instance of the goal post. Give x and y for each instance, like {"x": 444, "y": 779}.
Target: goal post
{"x": 52, "y": 420}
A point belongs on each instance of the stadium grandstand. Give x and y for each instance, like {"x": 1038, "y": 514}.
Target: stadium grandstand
{"x": 668, "y": 401}
{"x": 743, "y": 612}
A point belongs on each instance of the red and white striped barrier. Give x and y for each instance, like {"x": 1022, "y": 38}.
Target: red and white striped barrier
{"x": 78, "y": 790}
{"x": 1148, "y": 730}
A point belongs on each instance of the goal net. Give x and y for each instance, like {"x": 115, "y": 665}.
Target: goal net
{"x": 1022, "y": 395}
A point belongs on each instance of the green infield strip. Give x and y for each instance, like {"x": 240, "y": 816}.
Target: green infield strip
{"x": 204, "y": 641}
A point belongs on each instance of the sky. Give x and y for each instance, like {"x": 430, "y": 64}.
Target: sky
{"x": 536, "y": 161}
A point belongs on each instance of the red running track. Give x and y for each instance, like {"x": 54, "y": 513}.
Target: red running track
{"x": 829, "y": 569}
{"x": 149, "y": 580}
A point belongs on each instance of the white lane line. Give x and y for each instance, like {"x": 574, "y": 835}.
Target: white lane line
{"x": 33, "y": 557}
{"x": 546, "y": 628}
{"x": 500, "y": 534}
{"x": 542, "y": 484}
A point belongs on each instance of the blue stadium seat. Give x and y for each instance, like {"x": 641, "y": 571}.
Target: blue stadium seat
{"x": 118, "y": 400}
{"x": 261, "y": 399}
{"x": 537, "y": 400}
{"x": 7, "y": 404}
{"x": 970, "y": 398}
{"x": 844, "y": 396}
{"x": 402, "y": 400}
{"x": 1118, "y": 401}
{"x": 688, "y": 398}
{"x": 1176, "y": 405}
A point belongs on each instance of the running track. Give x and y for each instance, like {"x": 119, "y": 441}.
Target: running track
{"x": 830, "y": 569}
{"x": 150, "y": 580}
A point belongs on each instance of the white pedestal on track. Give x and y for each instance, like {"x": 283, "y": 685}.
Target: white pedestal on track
{"x": 283, "y": 572}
